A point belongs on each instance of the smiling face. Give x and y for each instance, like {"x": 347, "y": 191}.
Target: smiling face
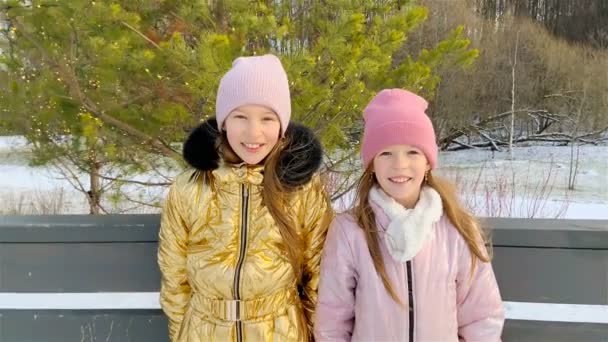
{"x": 252, "y": 132}
{"x": 400, "y": 171}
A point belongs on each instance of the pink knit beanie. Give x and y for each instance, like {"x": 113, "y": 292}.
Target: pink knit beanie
{"x": 396, "y": 116}
{"x": 257, "y": 80}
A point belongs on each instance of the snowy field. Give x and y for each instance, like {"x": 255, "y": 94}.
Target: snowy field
{"x": 533, "y": 184}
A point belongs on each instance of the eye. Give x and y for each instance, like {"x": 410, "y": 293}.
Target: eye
{"x": 386, "y": 153}
{"x": 413, "y": 152}
{"x": 270, "y": 118}
{"x": 240, "y": 116}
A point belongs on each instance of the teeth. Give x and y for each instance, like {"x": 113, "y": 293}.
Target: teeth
{"x": 399, "y": 179}
{"x": 252, "y": 145}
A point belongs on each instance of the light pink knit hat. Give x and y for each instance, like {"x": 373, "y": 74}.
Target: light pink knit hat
{"x": 257, "y": 80}
{"x": 396, "y": 116}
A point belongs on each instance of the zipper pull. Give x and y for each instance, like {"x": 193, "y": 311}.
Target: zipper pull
{"x": 245, "y": 191}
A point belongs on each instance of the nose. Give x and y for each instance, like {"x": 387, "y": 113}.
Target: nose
{"x": 400, "y": 161}
{"x": 254, "y": 128}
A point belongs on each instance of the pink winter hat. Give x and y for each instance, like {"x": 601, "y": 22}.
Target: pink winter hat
{"x": 257, "y": 80}
{"x": 396, "y": 116}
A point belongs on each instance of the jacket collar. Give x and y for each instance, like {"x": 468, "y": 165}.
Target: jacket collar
{"x": 298, "y": 161}
{"x": 242, "y": 173}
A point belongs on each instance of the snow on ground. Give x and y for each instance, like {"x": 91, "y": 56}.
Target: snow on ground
{"x": 12, "y": 143}
{"x": 533, "y": 184}
{"x": 28, "y": 189}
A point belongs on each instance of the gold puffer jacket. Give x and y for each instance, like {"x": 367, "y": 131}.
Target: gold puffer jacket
{"x": 225, "y": 271}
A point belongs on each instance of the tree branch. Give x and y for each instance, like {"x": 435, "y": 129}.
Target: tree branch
{"x": 140, "y": 34}
{"x": 344, "y": 192}
{"x": 130, "y": 181}
{"x": 76, "y": 92}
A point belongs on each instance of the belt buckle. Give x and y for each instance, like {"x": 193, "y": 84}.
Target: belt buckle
{"x": 234, "y": 310}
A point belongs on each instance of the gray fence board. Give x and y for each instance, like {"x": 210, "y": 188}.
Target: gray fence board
{"x": 542, "y": 261}
{"x": 83, "y": 326}
{"x": 549, "y": 233}
{"x": 79, "y": 228}
{"x": 573, "y": 276}
{"x": 79, "y": 267}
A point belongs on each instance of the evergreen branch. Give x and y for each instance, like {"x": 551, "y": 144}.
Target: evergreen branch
{"x": 329, "y": 121}
{"x": 132, "y": 100}
{"x": 76, "y": 92}
{"x": 140, "y": 34}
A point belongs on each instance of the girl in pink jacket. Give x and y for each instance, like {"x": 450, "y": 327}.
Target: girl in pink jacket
{"x": 408, "y": 262}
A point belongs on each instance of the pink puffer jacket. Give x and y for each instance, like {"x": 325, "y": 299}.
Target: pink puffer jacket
{"x": 442, "y": 300}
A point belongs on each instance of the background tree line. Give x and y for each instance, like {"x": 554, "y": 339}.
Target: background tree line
{"x": 579, "y": 21}
{"x": 556, "y": 89}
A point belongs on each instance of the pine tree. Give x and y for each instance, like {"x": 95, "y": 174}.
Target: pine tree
{"x": 110, "y": 87}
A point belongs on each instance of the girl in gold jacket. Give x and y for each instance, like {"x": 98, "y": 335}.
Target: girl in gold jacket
{"x": 242, "y": 232}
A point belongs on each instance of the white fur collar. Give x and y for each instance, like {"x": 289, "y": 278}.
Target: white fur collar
{"x": 408, "y": 229}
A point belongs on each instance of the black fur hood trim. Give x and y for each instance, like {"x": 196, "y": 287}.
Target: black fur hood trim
{"x": 298, "y": 161}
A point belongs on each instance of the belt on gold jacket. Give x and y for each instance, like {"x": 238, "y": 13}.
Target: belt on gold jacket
{"x": 243, "y": 310}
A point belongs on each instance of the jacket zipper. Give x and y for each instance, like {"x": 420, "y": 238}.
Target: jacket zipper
{"x": 241, "y": 259}
{"x": 410, "y": 297}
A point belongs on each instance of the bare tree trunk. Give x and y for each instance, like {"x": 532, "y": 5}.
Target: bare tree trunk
{"x": 513, "y": 65}
{"x": 574, "y": 162}
{"x": 94, "y": 193}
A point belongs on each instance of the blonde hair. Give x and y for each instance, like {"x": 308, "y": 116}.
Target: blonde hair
{"x": 466, "y": 224}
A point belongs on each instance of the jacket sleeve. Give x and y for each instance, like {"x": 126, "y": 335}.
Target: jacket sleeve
{"x": 317, "y": 217}
{"x": 336, "y": 307}
{"x": 173, "y": 240}
{"x": 480, "y": 310}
